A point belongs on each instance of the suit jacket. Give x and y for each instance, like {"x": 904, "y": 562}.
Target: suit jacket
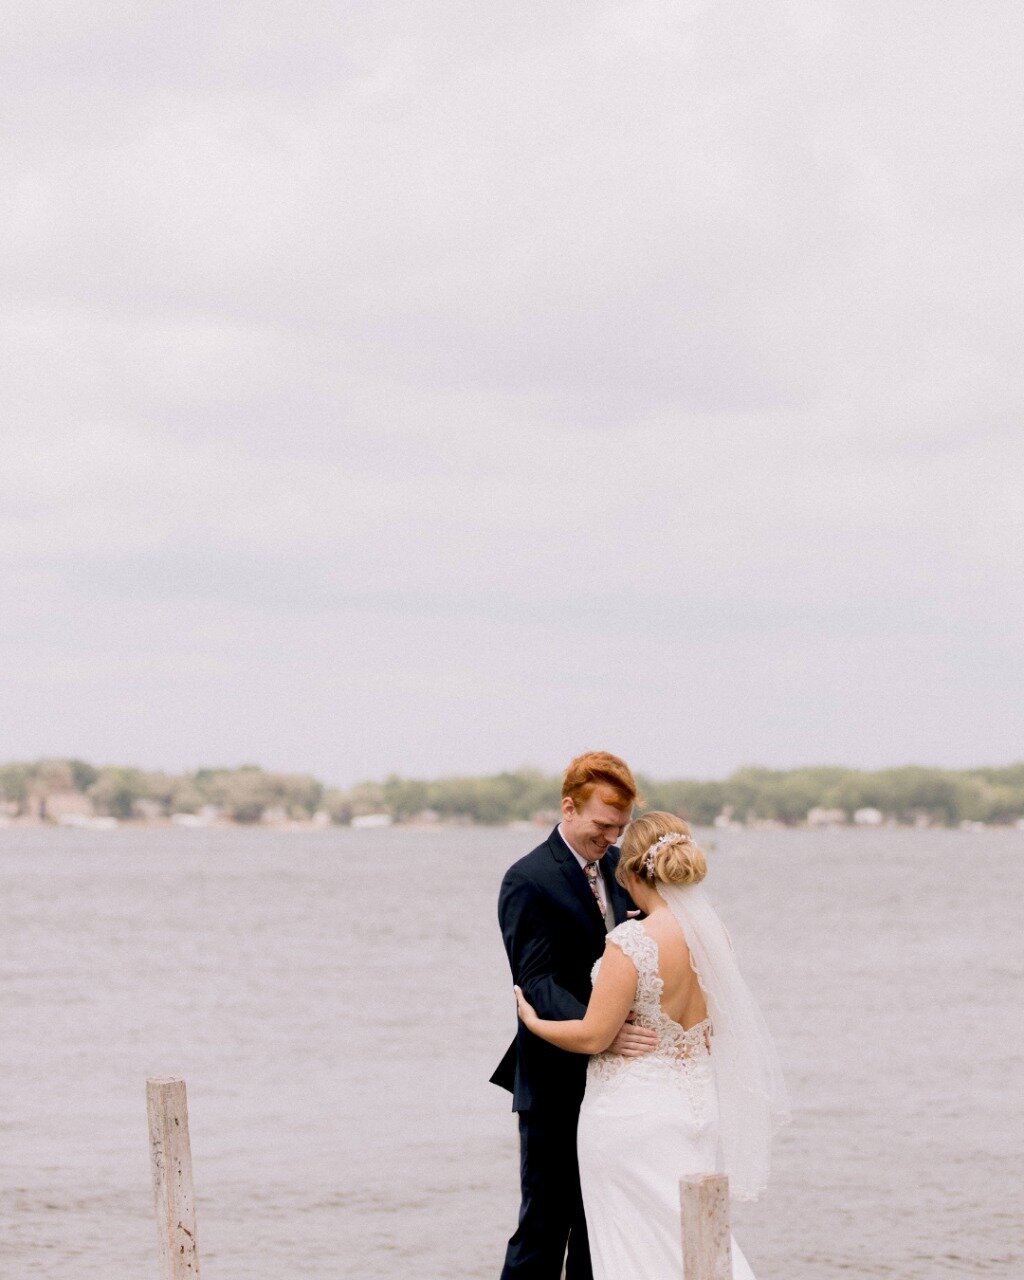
{"x": 553, "y": 932}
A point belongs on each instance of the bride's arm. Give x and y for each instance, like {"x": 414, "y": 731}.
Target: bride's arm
{"x": 610, "y": 1002}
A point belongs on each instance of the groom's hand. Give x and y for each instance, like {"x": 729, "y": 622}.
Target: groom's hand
{"x": 633, "y": 1041}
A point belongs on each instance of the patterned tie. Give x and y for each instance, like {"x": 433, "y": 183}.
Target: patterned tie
{"x": 590, "y": 871}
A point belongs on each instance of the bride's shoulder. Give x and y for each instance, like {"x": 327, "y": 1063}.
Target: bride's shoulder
{"x": 632, "y": 939}
{"x": 627, "y": 929}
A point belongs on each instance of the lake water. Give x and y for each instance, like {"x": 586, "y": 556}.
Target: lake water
{"x": 337, "y": 1000}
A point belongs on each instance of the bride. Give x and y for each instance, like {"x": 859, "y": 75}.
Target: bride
{"x": 708, "y": 1099}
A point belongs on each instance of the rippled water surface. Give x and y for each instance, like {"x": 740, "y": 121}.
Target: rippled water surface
{"x": 337, "y": 1000}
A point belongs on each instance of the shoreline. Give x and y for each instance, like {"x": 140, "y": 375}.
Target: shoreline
{"x": 109, "y": 823}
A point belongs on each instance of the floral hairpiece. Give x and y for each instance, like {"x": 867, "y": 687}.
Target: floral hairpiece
{"x": 672, "y": 837}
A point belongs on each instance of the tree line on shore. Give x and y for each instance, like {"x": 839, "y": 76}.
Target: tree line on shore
{"x": 48, "y": 789}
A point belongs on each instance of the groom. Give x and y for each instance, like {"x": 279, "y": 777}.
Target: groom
{"x": 555, "y": 908}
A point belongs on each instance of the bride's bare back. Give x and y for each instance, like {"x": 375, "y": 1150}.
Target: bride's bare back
{"x": 681, "y": 999}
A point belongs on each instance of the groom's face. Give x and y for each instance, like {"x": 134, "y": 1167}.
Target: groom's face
{"x": 594, "y": 825}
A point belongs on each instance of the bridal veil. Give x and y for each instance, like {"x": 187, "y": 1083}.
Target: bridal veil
{"x": 752, "y": 1098}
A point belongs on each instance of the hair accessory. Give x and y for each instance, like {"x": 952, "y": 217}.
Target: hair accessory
{"x": 671, "y": 837}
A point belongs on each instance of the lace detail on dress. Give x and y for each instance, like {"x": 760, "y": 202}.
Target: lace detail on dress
{"x": 682, "y": 1055}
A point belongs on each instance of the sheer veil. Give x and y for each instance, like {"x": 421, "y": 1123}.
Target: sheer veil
{"x": 753, "y": 1103}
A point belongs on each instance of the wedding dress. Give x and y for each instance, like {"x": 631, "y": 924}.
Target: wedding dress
{"x": 646, "y": 1122}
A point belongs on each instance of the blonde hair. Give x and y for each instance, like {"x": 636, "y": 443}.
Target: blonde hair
{"x": 677, "y": 861}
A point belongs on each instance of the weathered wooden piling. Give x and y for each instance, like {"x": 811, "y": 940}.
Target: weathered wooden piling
{"x": 171, "y": 1158}
{"x": 707, "y": 1241}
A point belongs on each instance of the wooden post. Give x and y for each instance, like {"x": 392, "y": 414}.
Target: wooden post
{"x": 707, "y": 1241}
{"x": 171, "y": 1157}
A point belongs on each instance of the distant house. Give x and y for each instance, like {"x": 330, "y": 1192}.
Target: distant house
{"x": 206, "y": 816}
{"x": 868, "y": 817}
{"x": 189, "y": 820}
{"x": 368, "y": 821}
{"x": 821, "y": 817}
{"x": 61, "y": 806}
{"x": 274, "y": 815}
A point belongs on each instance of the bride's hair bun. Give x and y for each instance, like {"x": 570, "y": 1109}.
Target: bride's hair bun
{"x": 659, "y": 847}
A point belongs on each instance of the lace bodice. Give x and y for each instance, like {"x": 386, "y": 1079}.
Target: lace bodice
{"x": 686, "y": 1052}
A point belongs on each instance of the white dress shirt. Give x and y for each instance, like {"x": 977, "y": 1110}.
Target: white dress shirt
{"x": 602, "y": 890}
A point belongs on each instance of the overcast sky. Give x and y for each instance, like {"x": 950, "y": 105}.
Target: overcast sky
{"x": 449, "y": 387}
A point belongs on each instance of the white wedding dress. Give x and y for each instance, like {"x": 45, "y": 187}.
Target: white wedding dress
{"x": 645, "y": 1123}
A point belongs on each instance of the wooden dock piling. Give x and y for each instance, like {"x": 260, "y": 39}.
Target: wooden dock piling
{"x": 171, "y": 1158}
{"x": 703, "y": 1198}
{"x": 707, "y": 1240}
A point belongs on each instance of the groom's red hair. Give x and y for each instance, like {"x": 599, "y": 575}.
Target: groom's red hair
{"x": 603, "y": 772}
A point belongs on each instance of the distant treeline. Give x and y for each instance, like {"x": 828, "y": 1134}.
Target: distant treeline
{"x": 250, "y": 794}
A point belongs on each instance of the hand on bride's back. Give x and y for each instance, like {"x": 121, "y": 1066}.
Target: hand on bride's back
{"x": 632, "y": 1041}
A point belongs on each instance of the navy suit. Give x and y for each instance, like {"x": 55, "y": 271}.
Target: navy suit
{"x": 553, "y": 931}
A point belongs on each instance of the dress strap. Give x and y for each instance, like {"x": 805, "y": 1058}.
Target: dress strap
{"x": 636, "y": 944}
